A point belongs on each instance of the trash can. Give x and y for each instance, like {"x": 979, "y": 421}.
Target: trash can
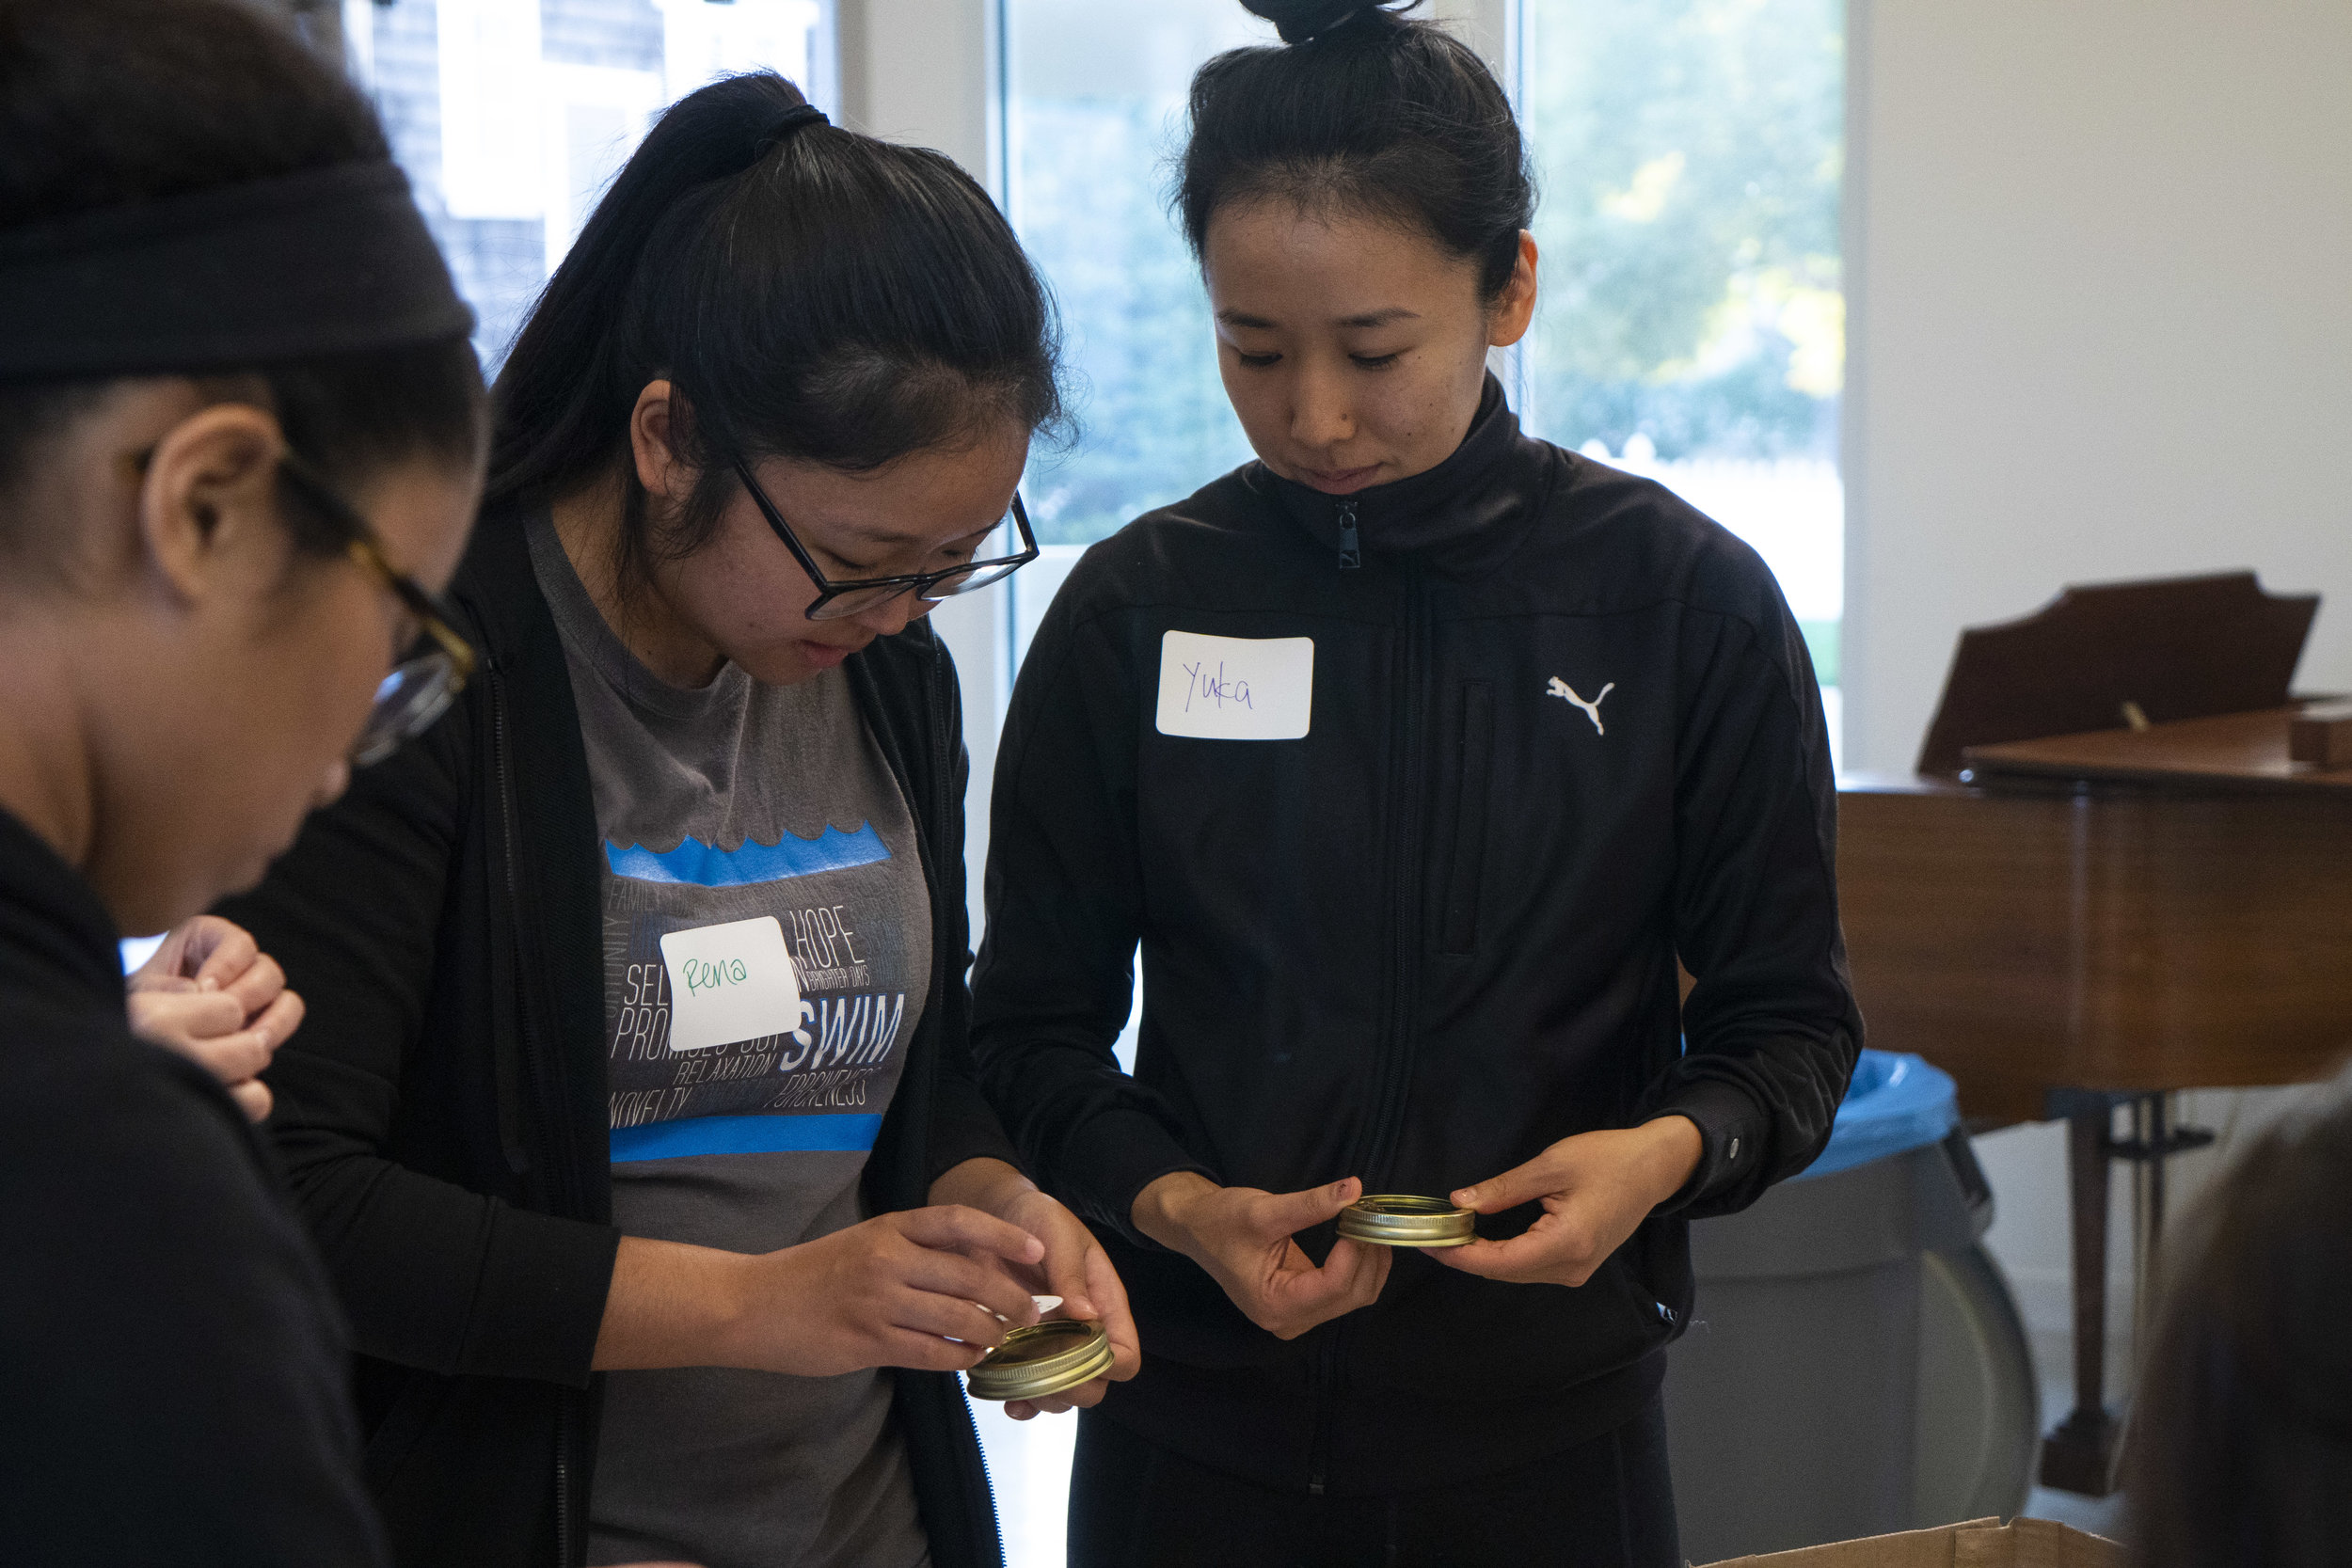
{"x": 1855, "y": 1364}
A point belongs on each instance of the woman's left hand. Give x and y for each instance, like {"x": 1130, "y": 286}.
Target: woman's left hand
{"x": 1596, "y": 1188}
{"x": 1074, "y": 1268}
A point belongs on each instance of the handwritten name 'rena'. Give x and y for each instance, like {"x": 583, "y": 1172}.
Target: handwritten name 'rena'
{"x": 1213, "y": 689}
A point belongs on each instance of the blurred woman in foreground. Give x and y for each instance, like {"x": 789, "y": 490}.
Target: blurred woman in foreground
{"x": 241, "y": 437}
{"x": 2241, "y": 1443}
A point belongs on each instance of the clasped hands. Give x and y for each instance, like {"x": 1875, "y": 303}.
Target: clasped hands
{"x": 211, "y": 994}
{"x": 1596, "y": 1189}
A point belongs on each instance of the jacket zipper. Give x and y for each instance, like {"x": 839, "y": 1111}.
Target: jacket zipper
{"x": 1377, "y": 1145}
{"x": 567, "y": 1408}
{"x": 1408, "y": 774}
{"x": 1351, "y": 554}
{"x": 1322, "y": 1379}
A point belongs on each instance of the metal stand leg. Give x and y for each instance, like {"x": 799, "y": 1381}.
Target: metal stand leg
{"x": 2079, "y": 1456}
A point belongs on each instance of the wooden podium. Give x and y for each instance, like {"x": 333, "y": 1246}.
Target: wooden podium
{"x": 2108, "y": 882}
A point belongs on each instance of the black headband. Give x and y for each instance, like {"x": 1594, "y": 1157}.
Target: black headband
{"x": 331, "y": 261}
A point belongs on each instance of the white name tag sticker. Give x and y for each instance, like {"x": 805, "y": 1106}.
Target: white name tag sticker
{"x": 729, "y": 983}
{"x": 1236, "y": 687}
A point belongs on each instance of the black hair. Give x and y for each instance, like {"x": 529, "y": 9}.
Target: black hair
{"x": 108, "y": 103}
{"x": 1361, "y": 109}
{"x": 816, "y": 294}
{"x": 2240, "y": 1449}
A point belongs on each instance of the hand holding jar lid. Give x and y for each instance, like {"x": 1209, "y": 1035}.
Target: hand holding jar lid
{"x": 1244, "y": 1237}
{"x": 1081, "y": 1306}
{"x": 1596, "y": 1189}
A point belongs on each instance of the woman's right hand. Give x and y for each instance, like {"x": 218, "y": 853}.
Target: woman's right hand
{"x": 1242, "y": 1236}
{"x": 922, "y": 1288}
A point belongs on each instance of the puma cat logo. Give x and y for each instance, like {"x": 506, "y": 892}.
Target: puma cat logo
{"x": 1567, "y": 694}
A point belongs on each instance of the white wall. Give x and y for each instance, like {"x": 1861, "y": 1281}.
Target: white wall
{"x": 2101, "y": 319}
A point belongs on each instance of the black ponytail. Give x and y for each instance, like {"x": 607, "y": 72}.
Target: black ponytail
{"x": 1361, "y": 109}
{"x": 107, "y": 104}
{"x": 812, "y": 294}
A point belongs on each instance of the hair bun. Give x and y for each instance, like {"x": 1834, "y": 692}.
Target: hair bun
{"x": 1299, "y": 20}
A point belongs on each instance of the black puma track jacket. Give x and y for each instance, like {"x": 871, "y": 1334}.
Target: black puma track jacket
{"x": 1413, "y": 799}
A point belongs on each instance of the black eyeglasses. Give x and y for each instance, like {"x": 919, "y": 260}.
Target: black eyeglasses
{"x": 420, "y": 688}
{"x": 835, "y": 600}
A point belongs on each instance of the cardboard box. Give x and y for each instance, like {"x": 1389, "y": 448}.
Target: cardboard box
{"x": 1979, "y": 1543}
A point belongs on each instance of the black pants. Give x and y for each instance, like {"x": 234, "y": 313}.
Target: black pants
{"x": 1606, "y": 1503}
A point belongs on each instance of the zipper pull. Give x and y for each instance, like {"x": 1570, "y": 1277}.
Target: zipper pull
{"x": 1351, "y": 554}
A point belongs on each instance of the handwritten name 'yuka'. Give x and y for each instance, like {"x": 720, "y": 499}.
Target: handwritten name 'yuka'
{"x": 1214, "y": 689}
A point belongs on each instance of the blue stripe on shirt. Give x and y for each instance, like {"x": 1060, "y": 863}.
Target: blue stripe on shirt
{"x": 682, "y": 1140}
{"x": 699, "y": 865}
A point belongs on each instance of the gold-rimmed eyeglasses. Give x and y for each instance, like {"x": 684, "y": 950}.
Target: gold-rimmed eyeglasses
{"x": 420, "y": 687}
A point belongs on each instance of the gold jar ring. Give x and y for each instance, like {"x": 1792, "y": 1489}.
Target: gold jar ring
{"x": 1042, "y": 1360}
{"x": 1397, "y": 1219}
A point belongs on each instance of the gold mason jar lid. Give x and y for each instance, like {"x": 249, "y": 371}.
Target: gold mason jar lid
{"x": 1396, "y": 1219}
{"x": 1042, "y": 1360}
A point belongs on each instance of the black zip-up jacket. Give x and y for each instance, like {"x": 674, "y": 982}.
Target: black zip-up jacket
{"x": 172, "y": 1364}
{"x": 1563, "y": 733}
{"x": 442, "y": 1111}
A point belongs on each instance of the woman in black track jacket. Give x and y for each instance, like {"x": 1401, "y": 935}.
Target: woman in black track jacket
{"x": 1414, "y": 755}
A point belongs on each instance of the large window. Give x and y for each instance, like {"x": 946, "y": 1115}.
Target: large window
{"x": 1691, "y": 324}
{"x": 511, "y": 115}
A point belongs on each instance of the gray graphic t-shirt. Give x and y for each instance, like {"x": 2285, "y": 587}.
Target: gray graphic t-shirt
{"x": 766, "y": 951}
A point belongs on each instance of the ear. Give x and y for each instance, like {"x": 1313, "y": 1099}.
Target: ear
{"x": 1515, "y": 307}
{"x": 652, "y": 443}
{"x": 210, "y": 495}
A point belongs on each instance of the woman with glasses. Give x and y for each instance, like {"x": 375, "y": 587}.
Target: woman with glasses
{"x": 241, "y": 437}
{"x": 634, "y": 1111}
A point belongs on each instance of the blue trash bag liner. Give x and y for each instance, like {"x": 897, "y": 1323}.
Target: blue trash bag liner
{"x": 1895, "y": 1104}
